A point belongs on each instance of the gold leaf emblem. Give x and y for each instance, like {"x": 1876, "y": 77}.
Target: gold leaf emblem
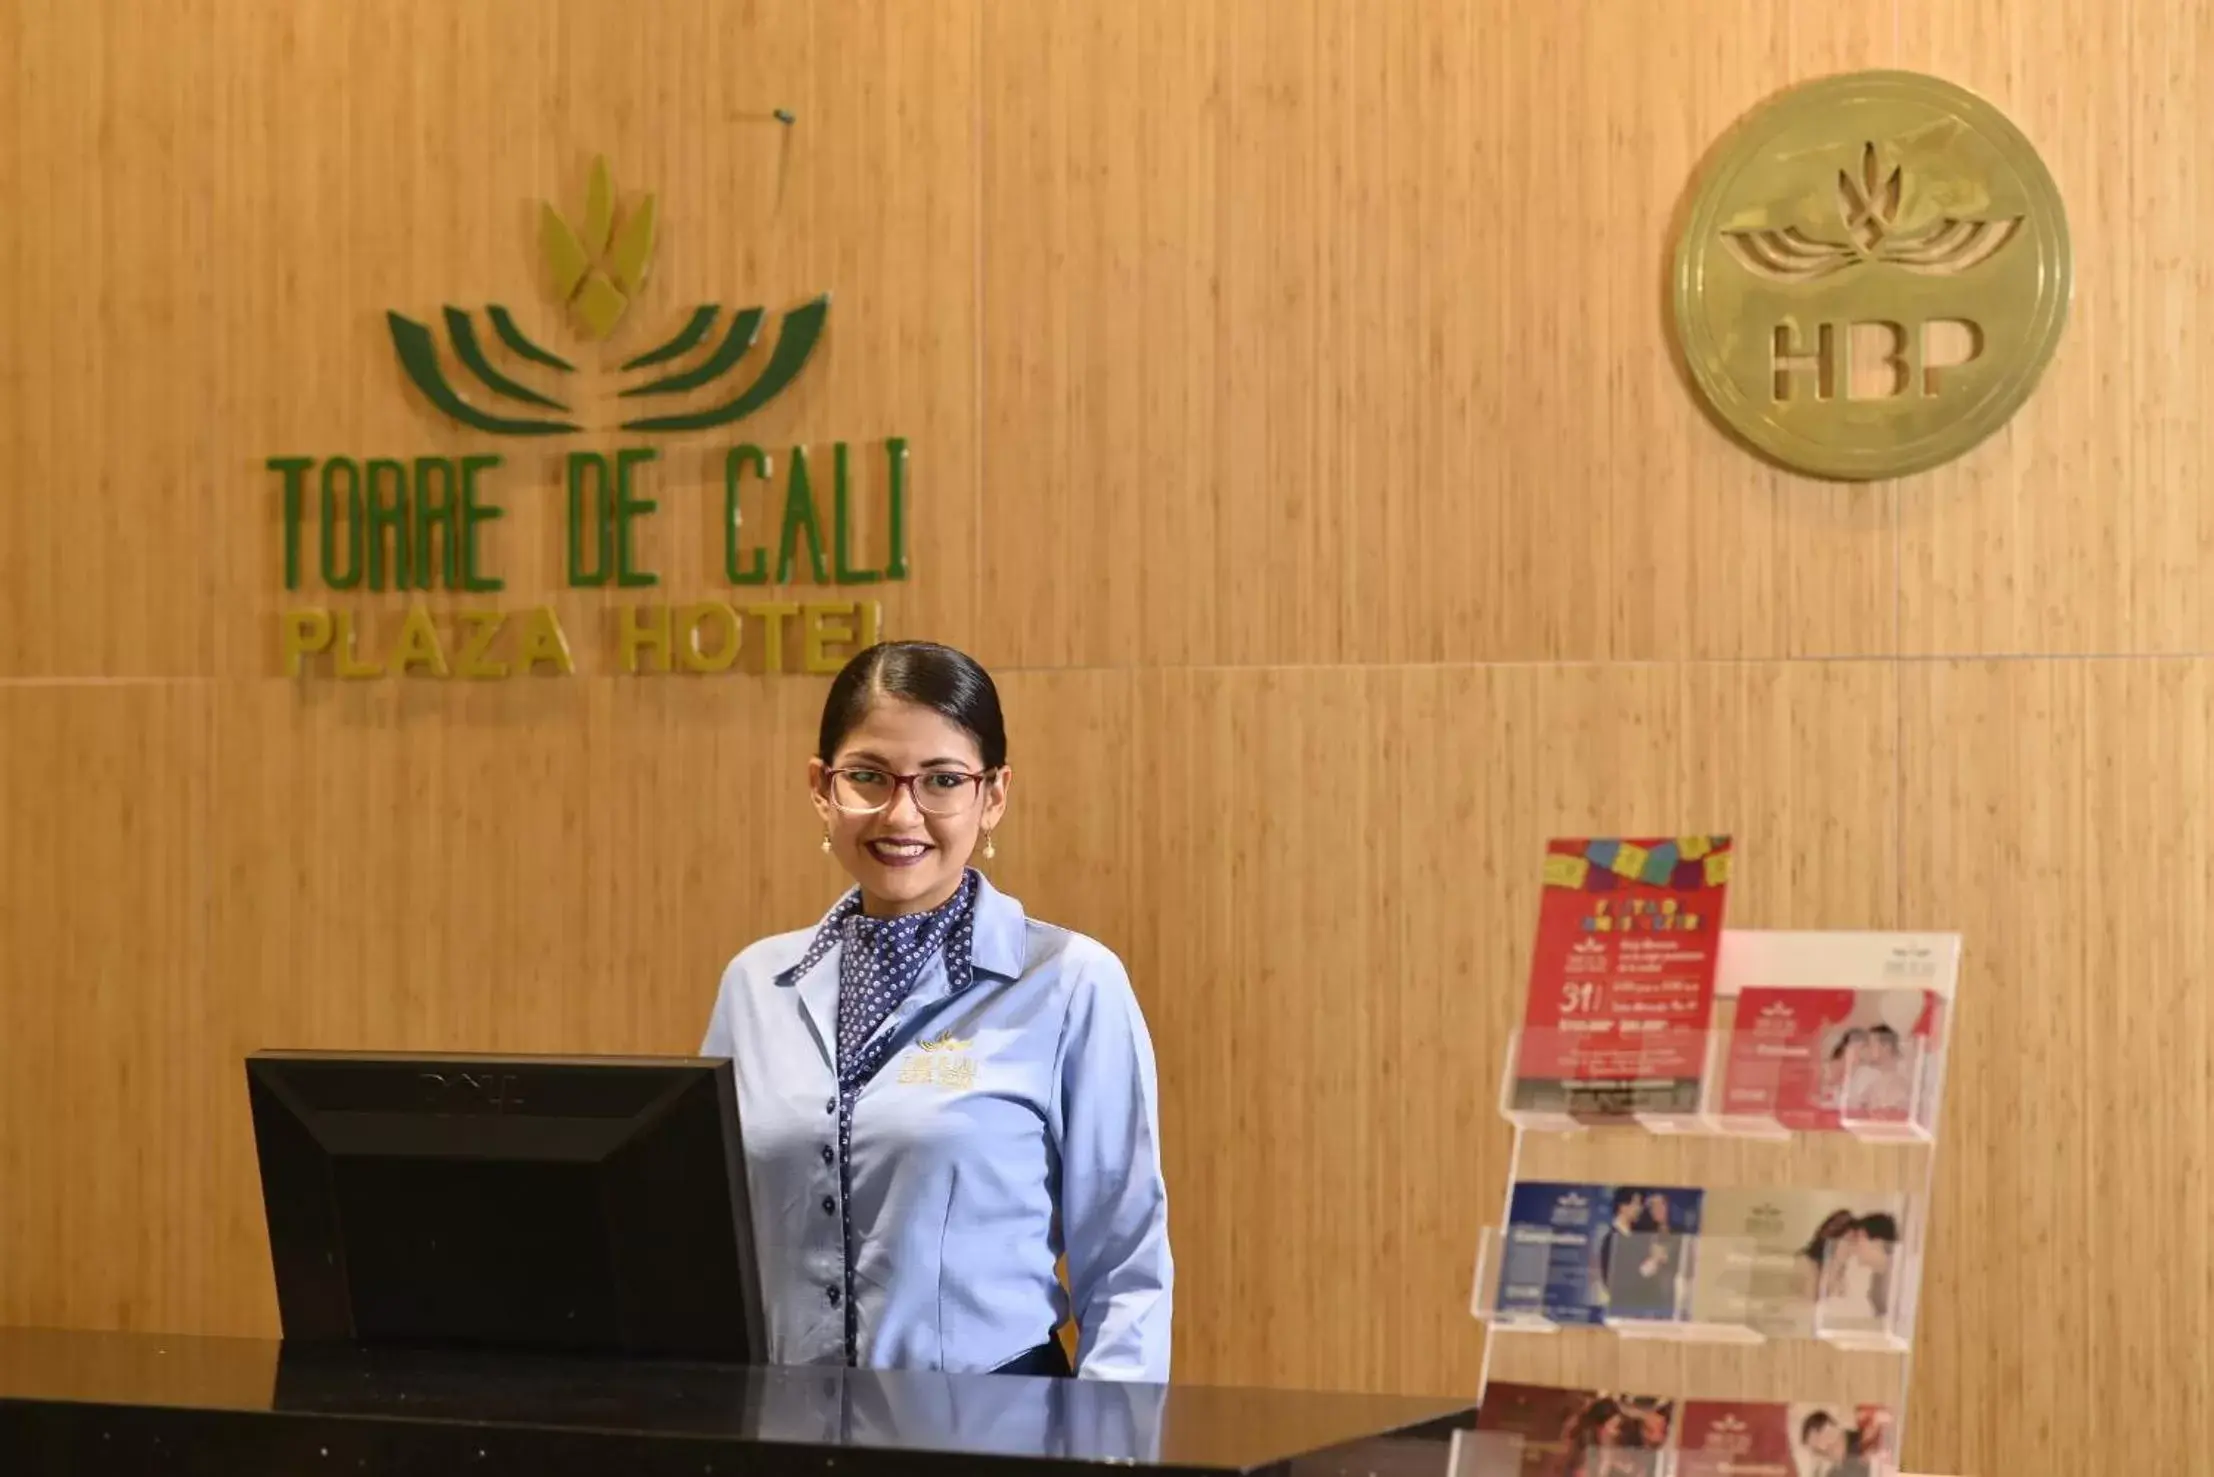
{"x": 939, "y": 1062}
{"x": 1873, "y": 227}
{"x": 1873, "y": 271}
{"x": 596, "y": 270}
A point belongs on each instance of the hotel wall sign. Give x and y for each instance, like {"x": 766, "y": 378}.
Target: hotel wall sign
{"x": 1874, "y": 273}
{"x": 400, "y": 551}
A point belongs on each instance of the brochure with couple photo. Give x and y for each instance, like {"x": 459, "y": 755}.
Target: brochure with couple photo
{"x": 1547, "y": 1432}
{"x": 1835, "y": 1031}
{"x": 1578, "y": 1253}
{"x": 1815, "y": 1060}
{"x": 1801, "y": 1263}
{"x": 1543, "y": 1431}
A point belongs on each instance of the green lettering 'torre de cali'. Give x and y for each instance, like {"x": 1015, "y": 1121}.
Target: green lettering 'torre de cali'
{"x": 387, "y": 523}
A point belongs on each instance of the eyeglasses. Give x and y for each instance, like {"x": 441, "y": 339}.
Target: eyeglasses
{"x": 935, "y": 792}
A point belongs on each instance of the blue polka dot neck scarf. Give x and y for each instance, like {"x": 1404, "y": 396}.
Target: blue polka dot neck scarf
{"x": 881, "y": 960}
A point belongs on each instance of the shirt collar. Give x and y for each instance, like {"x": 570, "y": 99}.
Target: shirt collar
{"x": 1000, "y": 949}
{"x": 1001, "y": 944}
{"x": 997, "y": 947}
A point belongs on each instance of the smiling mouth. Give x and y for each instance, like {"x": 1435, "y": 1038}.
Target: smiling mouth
{"x": 899, "y": 853}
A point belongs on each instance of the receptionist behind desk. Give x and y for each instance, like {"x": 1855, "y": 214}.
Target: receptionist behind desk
{"x": 938, "y": 1094}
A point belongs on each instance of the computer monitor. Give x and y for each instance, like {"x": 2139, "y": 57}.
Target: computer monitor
{"x": 528, "y": 1203}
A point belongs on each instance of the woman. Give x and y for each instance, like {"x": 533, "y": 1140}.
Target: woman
{"x": 1615, "y": 1437}
{"x": 938, "y": 1095}
{"x": 1878, "y": 1086}
{"x": 1858, "y": 1297}
{"x": 1830, "y": 1450}
{"x": 1822, "y": 1266}
{"x": 1844, "y": 1060}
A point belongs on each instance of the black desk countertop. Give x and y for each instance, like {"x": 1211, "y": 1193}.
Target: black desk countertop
{"x": 95, "y": 1404}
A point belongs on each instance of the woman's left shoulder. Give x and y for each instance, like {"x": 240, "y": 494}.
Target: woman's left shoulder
{"x": 1099, "y": 1014}
{"x": 1098, "y": 1005}
{"x": 1011, "y": 943}
{"x": 1078, "y": 959}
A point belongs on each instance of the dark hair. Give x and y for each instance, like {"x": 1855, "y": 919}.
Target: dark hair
{"x": 1588, "y": 1421}
{"x": 1834, "y": 1225}
{"x": 1819, "y": 1421}
{"x": 948, "y": 682}
{"x": 1628, "y": 1196}
{"x": 1878, "y": 1227}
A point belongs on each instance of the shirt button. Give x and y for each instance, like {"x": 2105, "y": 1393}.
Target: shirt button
{"x": 830, "y": 1155}
{"x": 830, "y": 1105}
{"x": 830, "y": 1205}
{"x": 832, "y": 1294}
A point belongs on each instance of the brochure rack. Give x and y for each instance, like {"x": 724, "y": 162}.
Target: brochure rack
{"x": 1789, "y": 1293}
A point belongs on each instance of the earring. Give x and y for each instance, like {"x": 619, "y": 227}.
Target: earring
{"x": 826, "y": 841}
{"x": 990, "y": 850}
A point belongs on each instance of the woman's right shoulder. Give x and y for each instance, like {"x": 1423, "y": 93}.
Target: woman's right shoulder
{"x": 746, "y": 986}
{"x": 763, "y": 960}
{"x": 747, "y": 982}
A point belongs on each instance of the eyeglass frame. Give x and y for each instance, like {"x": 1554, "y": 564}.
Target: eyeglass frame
{"x": 907, "y": 782}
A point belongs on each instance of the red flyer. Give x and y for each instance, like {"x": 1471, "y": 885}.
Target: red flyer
{"x": 1812, "y": 1060}
{"x": 1622, "y": 980}
{"x": 1719, "y": 1438}
{"x": 1734, "y": 1438}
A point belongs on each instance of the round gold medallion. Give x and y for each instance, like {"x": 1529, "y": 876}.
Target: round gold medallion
{"x": 1875, "y": 272}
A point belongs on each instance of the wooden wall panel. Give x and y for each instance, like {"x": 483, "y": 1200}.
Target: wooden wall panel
{"x": 553, "y": 862}
{"x": 869, "y": 196}
{"x": 201, "y": 282}
{"x": 2073, "y": 1277}
{"x": 1322, "y": 330}
{"x": 526, "y": 867}
{"x": 108, "y": 1042}
{"x": 107, "y": 152}
{"x": 1323, "y": 882}
{"x": 2080, "y": 529}
{"x": 546, "y": 866}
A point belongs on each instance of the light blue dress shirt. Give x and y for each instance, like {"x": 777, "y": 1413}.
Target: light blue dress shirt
{"x": 1015, "y": 1121}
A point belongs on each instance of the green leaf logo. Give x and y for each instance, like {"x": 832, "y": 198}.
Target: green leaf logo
{"x": 694, "y": 380}
{"x": 597, "y": 270}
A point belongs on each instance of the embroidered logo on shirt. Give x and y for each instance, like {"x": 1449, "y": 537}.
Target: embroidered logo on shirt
{"x": 942, "y": 1062}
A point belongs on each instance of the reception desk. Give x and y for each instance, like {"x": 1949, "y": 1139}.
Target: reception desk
{"x": 100, "y": 1405}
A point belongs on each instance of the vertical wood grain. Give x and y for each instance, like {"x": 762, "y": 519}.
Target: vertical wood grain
{"x": 1324, "y": 884}
{"x": 2063, "y": 831}
{"x": 2081, "y": 528}
{"x": 215, "y": 209}
{"x": 1332, "y": 332}
{"x": 111, "y": 1061}
{"x": 107, "y": 432}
